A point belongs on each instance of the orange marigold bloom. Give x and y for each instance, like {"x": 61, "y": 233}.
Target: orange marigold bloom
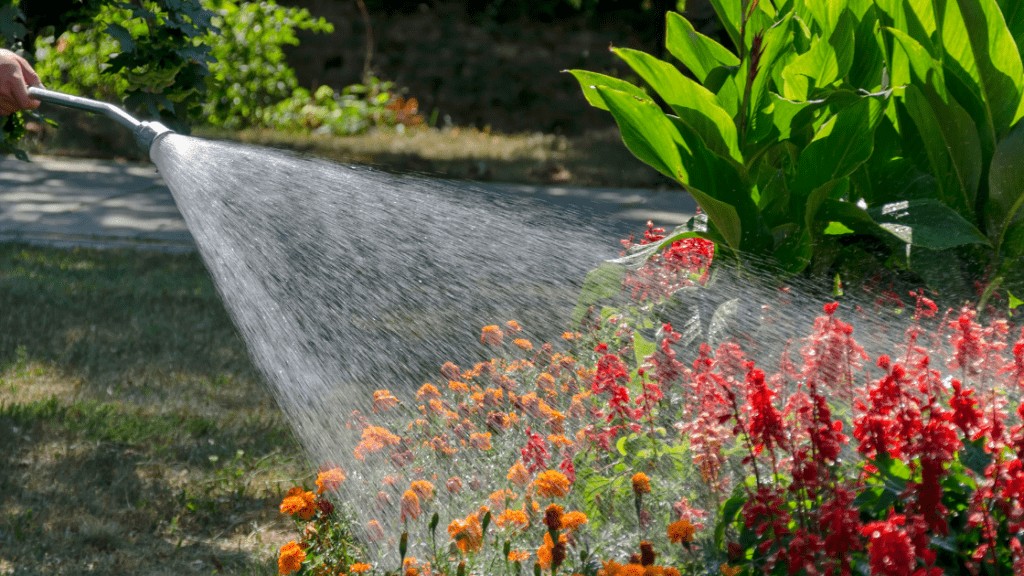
{"x": 512, "y": 517}
{"x": 410, "y": 509}
{"x": 672, "y": 571}
{"x": 518, "y": 555}
{"x": 467, "y": 533}
{"x": 551, "y": 484}
{"x": 383, "y": 400}
{"x": 290, "y": 558}
{"x": 299, "y": 502}
{"x": 513, "y": 326}
{"x": 681, "y": 531}
{"x": 518, "y": 474}
{"x": 374, "y": 530}
{"x": 570, "y": 335}
{"x": 491, "y": 335}
{"x": 499, "y": 497}
{"x": 454, "y": 484}
{"x": 460, "y": 387}
{"x": 375, "y": 439}
{"x": 427, "y": 391}
{"x": 545, "y": 553}
{"x": 560, "y": 440}
{"x": 523, "y": 344}
{"x": 423, "y": 489}
{"x": 641, "y": 483}
{"x": 573, "y": 520}
{"x": 727, "y": 570}
{"x": 480, "y": 440}
{"x": 632, "y": 570}
{"x": 359, "y": 568}
{"x": 451, "y": 371}
{"x": 553, "y": 517}
{"x": 329, "y": 480}
{"x": 610, "y": 568}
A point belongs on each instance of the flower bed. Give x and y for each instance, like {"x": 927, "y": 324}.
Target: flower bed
{"x": 607, "y": 455}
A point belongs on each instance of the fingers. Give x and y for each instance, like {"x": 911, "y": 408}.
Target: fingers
{"x": 15, "y": 76}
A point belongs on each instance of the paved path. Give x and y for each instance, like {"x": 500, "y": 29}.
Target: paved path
{"x": 101, "y": 203}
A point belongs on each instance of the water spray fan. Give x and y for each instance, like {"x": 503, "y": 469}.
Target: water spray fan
{"x": 146, "y": 133}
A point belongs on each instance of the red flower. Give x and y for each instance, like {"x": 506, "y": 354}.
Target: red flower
{"x": 890, "y": 551}
{"x": 535, "y": 454}
{"x": 766, "y": 428}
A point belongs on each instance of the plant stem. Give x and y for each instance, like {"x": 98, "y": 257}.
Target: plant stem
{"x": 368, "y": 59}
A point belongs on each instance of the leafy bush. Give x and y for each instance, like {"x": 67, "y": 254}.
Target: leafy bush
{"x": 613, "y": 457}
{"x": 842, "y": 136}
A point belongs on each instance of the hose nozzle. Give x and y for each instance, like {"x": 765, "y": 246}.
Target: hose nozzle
{"x": 145, "y": 132}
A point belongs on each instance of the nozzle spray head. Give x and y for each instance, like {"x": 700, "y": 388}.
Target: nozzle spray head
{"x": 146, "y": 133}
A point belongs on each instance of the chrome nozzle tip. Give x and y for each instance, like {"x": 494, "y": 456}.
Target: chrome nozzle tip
{"x": 146, "y": 133}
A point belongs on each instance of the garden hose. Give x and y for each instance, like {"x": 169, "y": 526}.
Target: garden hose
{"x": 145, "y": 132}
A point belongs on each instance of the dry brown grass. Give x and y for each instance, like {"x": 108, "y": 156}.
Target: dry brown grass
{"x": 135, "y": 437}
{"x": 595, "y": 159}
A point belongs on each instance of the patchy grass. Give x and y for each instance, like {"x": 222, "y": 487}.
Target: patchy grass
{"x": 594, "y": 159}
{"x": 136, "y": 436}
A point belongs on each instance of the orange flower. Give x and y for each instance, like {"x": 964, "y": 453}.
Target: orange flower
{"x": 671, "y": 571}
{"x": 499, "y": 497}
{"x": 491, "y": 335}
{"x": 512, "y": 518}
{"x": 513, "y": 326}
{"x": 467, "y": 533}
{"x": 632, "y": 570}
{"x": 423, "y": 489}
{"x": 374, "y": 439}
{"x": 410, "y": 509}
{"x": 727, "y": 570}
{"x": 383, "y": 400}
{"x": 480, "y": 440}
{"x": 681, "y": 531}
{"x": 641, "y": 483}
{"x": 299, "y": 502}
{"x": 329, "y": 480}
{"x": 573, "y": 520}
{"x": 427, "y": 392}
{"x": 551, "y": 484}
{"x": 518, "y": 474}
{"x": 460, "y": 387}
{"x": 359, "y": 568}
{"x": 523, "y": 344}
{"x": 518, "y": 555}
{"x": 290, "y": 558}
{"x": 454, "y": 484}
{"x": 545, "y": 553}
{"x": 451, "y": 371}
{"x": 374, "y": 530}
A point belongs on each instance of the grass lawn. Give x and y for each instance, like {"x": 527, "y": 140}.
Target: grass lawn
{"x": 135, "y": 436}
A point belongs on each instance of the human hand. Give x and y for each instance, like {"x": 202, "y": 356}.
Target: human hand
{"x": 16, "y": 75}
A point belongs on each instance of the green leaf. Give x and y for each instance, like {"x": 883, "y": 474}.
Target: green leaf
{"x": 927, "y": 223}
{"x": 815, "y": 68}
{"x": 694, "y": 104}
{"x": 834, "y": 228}
{"x": 694, "y": 50}
{"x": 974, "y": 456}
{"x": 729, "y": 513}
{"x": 1013, "y": 14}
{"x": 646, "y": 131}
{"x": 724, "y": 217}
{"x": 730, "y": 14}
{"x": 994, "y": 59}
{"x": 601, "y": 283}
{"x": 589, "y": 81}
{"x": 842, "y": 144}
{"x": 952, "y": 144}
{"x": 1006, "y": 185}
{"x": 642, "y": 348}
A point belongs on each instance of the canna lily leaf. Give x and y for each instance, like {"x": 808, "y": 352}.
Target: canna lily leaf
{"x": 694, "y": 104}
{"x": 1006, "y": 185}
{"x": 589, "y": 81}
{"x": 842, "y": 144}
{"x": 730, "y": 14}
{"x": 927, "y": 223}
{"x": 646, "y": 131}
{"x": 694, "y": 50}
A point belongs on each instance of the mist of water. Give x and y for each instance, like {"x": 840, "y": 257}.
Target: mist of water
{"x": 344, "y": 281}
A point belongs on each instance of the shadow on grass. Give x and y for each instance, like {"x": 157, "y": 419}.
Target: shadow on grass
{"x": 137, "y": 437}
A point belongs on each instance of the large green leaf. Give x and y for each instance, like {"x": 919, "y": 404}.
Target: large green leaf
{"x": 694, "y": 50}
{"x": 843, "y": 143}
{"x": 730, "y": 14}
{"x": 694, "y": 104}
{"x": 813, "y": 69}
{"x": 646, "y": 131}
{"x": 993, "y": 60}
{"x": 602, "y": 283}
{"x": 589, "y": 81}
{"x": 927, "y": 223}
{"x": 1013, "y": 14}
{"x": 951, "y": 141}
{"x": 724, "y": 217}
{"x": 1006, "y": 184}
